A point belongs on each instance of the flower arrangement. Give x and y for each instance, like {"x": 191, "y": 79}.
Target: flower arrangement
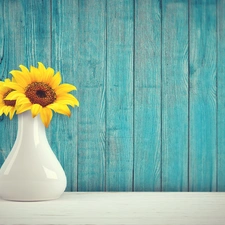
{"x": 38, "y": 90}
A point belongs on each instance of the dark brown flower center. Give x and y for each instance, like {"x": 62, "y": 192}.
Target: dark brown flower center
{"x": 40, "y": 93}
{"x": 9, "y": 102}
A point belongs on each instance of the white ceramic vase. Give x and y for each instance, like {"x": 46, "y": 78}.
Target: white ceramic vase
{"x": 31, "y": 172}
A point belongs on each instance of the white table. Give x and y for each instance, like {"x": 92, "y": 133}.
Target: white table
{"x": 119, "y": 208}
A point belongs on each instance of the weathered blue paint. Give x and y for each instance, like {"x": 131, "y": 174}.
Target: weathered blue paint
{"x": 119, "y": 96}
{"x": 150, "y": 79}
{"x": 37, "y": 42}
{"x": 91, "y": 114}
{"x": 221, "y": 95}
{"x": 202, "y": 112}
{"x": 147, "y": 96}
{"x": 174, "y": 95}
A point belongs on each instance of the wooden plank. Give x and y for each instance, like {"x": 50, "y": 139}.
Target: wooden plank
{"x": 202, "y": 95}
{"x": 174, "y": 95}
{"x": 91, "y": 116}
{"x": 12, "y": 37}
{"x": 103, "y": 208}
{"x": 3, "y": 64}
{"x": 2, "y": 32}
{"x": 147, "y": 96}
{"x": 37, "y": 32}
{"x": 63, "y": 130}
{"x": 221, "y": 93}
{"x": 119, "y": 95}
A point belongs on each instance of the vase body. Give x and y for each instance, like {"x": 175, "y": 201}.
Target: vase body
{"x": 31, "y": 172}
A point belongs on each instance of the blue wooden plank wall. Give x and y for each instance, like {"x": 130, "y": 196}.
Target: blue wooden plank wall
{"x": 151, "y": 84}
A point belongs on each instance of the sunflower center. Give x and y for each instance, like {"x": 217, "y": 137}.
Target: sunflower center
{"x": 40, "y": 93}
{"x": 9, "y": 102}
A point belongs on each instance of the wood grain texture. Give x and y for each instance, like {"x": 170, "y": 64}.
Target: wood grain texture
{"x": 63, "y": 130}
{"x": 221, "y": 94}
{"x": 119, "y": 95}
{"x": 3, "y": 63}
{"x": 91, "y": 115}
{"x": 147, "y": 96}
{"x": 174, "y": 95}
{"x": 119, "y": 208}
{"x": 37, "y": 41}
{"x": 202, "y": 96}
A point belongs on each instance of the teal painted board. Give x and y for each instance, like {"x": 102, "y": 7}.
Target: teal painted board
{"x": 62, "y": 132}
{"x": 174, "y": 95}
{"x": 2, "y": 34}
{"x": 147, "y": 96}
{"x": 3, "y": 151}
{"x": 12, "y": 54}
{"x": 221, "y": 94}
{"x": 202, "y": 139}
{"x": 37, "y": 34}
{"x": 119, "y": 96}
{"x": 91, "y": 113}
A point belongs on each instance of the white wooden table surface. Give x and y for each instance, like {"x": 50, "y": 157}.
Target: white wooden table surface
{"x": 119, "y": 208}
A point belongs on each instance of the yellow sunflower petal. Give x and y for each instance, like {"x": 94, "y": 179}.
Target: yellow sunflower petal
{"x": 46, "y": 116}
{"x": 14, "y": 86}
{"x": 21, "y": 101}
{"x": 24, "y": 69}
{"x": 67, "y": 99}
{"x": 48, "y": 76}
{"x": 7, "y": 109}
{"x": 26, "y": 73}
{"x": 36, "y": 75}
{"x": 19, "y": 77}
{"x": 6, "y": 80}
{"x": 11, "y": 113}
{"x": 59, "y": 108}
{"x": 16, "y": 73}
{"x": 2, "y": 109}
{"x": 3, "y": 90}
{"x": 56, "y": 80}
{"x": 35, "y": 109}
{"x": 64, "y": 88}
{"x": 41, "y": 68}
{"x": 23, "y": 108}
{"x": 14, "y": 95}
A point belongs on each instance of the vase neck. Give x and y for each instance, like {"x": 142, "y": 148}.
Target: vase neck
{"x": 30, "y": 128}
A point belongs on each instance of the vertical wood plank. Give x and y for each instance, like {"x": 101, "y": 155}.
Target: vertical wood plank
{"x": 92, "y": 72}
{"x": 221, "y": 93}
{"x": 12, "y": 54}
{"x": 174, "y": 95}
{"x": 202, "y": 95}
{"x": 119, "y": 107}
{"x": 147, "y": 96}
{"x": 3, "y": 66}
{"x": 63, "y": 131}
{"x": 37, "y": 32}
{"x": 2, "y": 33}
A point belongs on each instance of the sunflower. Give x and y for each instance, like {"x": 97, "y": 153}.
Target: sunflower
{"x": 40, "y": 91}
{"x": 6, "y": 106}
